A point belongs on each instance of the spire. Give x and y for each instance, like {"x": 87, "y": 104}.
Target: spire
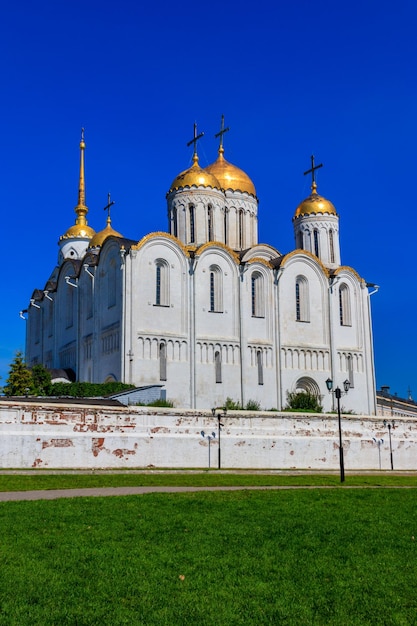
{"x": 81, "y": 209}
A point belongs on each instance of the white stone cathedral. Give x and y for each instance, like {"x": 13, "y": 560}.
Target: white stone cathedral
{"x": 204, "y": 309}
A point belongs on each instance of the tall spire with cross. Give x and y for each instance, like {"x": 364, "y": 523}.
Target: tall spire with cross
{"x": 312, "y": 171}
{"x": 81, "y": 208}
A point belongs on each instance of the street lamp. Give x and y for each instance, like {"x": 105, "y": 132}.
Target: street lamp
{"x": 338, "y": 394}
{"x": 390, "y": 425}
{"x": 219, "y": 427}
{"x": 209, "y": 438}
{"x": 378, "y": 443}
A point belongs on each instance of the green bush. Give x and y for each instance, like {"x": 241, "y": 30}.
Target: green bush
{"x": 303, "y": 401}
{"x": 87, "y": 390}
{"x": 231, "y": 405}
{"x": 161, "y": 402}
{"x": 252, "y": 405}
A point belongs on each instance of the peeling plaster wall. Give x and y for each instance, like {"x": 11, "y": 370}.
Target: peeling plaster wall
{"x": 81, "y": 436}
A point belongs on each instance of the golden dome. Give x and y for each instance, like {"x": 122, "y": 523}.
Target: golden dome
{"x": 79, "y": 230}
{"x": 100, "y": 237}
{"x": 230, "y": 176}
{"x": 195, "y": 176}
{"x": 315, "y": 204}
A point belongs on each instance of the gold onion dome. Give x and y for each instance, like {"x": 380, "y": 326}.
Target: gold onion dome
{"x": 195, "y": 176}
{"x": 230, "y": 176}
{"x": 100, "y": 237}
{"x": 79, "y": 230}
{"x": 315, "y": 204}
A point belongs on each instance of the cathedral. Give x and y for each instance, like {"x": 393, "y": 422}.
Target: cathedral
{"x": 204, "y": 309}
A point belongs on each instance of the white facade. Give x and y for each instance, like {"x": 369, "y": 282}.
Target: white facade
{"x": 205, "y": 309}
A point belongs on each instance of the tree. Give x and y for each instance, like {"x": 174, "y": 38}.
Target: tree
{"x": 20, "y": 381}
{"x": 42, "y": 385}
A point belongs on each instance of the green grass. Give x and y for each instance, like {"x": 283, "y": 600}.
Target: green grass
{"x": 338, "y": 557}
{"x": 41, "y": 480}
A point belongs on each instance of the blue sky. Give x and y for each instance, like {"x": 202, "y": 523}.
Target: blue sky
{"x": 336, "y": 79}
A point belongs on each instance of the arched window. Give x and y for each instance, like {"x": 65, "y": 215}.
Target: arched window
{"x": 299, "y": 242}
{"x": 210, "y": 235}
{"x": 302, "y": 308}
{"x": 161, "y": 283}
{"x": 257, "y": 295}
{"x": 344, "y": 306}
{"x": 162, "y": 361}
{"x": 240, "y": 227}
{"x": 218, "y": 366}
{"x": 260, "y": 367}
{"x": 316, "y": 242}
{"x": 216, "y": 289}
{"x": 192, "y": 224}
{"x": 331, "y": 245}
{"x": 175, "y": 222}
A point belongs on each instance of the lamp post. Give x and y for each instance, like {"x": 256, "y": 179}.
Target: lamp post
{"x": 390, "y": 425}
{"x": 378, "y": 443}
{"x": 209, "y": 438}
{"x": 338, "y": 394}
{"x": 219, "y": 428}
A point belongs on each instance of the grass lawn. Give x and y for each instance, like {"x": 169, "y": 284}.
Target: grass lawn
{"x": 285, "y": 557}
{"x": 40, "y": 480}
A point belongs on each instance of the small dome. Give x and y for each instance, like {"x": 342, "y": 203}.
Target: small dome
{"x": 195, "y": 176}
{"x": 82, "y": 231}
{"x": 100, "y": 237}
{"x": 230, "y": 176}
{"x": 315, "y": 204}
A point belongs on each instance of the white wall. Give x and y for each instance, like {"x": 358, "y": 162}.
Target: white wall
{"x": 81, "y": 436}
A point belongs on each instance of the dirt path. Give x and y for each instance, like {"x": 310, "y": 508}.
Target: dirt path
{"x": 54, "y": 494}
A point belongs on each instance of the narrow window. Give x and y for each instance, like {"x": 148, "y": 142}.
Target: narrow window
{"x": 350, "y": 370}
{"x": 175, "y": 222}
{"x": 192, "y": 225}
{"x": 344, "y": 306}
{"x": 218, "y": 366}
{"x": 161, "y": 283}
{"x": 299, "y": 240}
{"x": 240, "y": 228}
{"x": 70, "y": 307}
{"x": 158, "y": 285}
{"x": 210, "y": 223}
{"x": 225, "y": 225}
{"x": 260, "y": 367}
{"x": 162, "y": 361}
{"x": 257, "y": 293}
{"x": 111, "y": 284}
{"x": 331, "y": 244}
{"x": 316, "y": 242}
{"x": 216, "y": 290}
{"x": 302, "y": 307}
{"x": 212, "y": 292}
